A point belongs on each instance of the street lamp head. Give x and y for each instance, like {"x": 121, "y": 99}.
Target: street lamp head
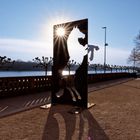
{"x": 106, "y": 44}
{"x": 103, "y": 27}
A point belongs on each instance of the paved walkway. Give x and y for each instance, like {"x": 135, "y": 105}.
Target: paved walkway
{"x": 16, "y": 104}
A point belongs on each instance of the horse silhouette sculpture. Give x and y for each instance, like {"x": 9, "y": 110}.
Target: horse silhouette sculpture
{"x": 72, "y": 46}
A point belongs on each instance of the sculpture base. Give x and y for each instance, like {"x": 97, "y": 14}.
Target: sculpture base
{"x": 46, "y": 106}
{"x": 78, "y": 110}
{"x": 89, "y": 105}
{"x": 74, "y": 110}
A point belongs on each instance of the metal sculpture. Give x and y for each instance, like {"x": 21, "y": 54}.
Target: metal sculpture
{"x": 70, "y": 89}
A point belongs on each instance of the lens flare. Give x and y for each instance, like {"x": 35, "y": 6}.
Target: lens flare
{"x": 60, "y": 31}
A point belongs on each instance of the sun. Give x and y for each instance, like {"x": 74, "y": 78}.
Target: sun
{"x": 60, "y": 31}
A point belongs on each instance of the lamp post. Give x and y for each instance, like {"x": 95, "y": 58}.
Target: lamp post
{"x": 105, "y": 44}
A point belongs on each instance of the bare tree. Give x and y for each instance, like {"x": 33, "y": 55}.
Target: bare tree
{"x": 4, "y": 61}
{"x": 133, "y": 58}
{"x": 94, "y": 67}
{"x": 43, "y": 62}
{"x": 70, "y": 64}
{"x": 137, "y": 49}
{"x": 137, "y": 41}
{"x": 135, "y": 53}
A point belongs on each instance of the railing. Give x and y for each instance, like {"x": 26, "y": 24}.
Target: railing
{"x": 10, "y": 86}
{"x": 21, "y": 85}
{"x": 93, "y": 78}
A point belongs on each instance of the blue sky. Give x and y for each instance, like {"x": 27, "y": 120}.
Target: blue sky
{"x": 26, "y": 26}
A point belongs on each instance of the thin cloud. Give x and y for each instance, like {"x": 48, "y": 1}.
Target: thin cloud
{"x": 114, "y": 56}
{"x": 20, "y": 42}
{"x": 28, "y": 49}
{"x": 24, "y": 47}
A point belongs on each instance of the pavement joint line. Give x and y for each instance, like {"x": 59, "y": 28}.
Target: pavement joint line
{"x": 49, "y": 98}
{"x": 4, "y": 109}
{"x": 37, "y": 101}
{"x": 32, "y": 102}
{"x": 27, "y": 104}
{"x": 41, "y": 100}
{"x": 45, "y": 99}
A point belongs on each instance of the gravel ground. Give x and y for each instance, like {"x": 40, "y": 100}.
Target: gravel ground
{"x": 116, "y": 116}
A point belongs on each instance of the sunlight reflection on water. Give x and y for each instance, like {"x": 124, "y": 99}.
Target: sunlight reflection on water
{"x": 67, "y": 72}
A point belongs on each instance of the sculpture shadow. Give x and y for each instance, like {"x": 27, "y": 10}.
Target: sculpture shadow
{"x": 62, "y": 125}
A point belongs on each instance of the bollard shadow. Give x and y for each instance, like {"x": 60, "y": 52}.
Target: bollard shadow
{"x": 61, "y": 125}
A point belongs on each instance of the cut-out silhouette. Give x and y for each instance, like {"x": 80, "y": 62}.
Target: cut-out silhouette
{"x": 91, "y": 51}
{"x": 63, "y": 90}
{"x": 75, "y": 49}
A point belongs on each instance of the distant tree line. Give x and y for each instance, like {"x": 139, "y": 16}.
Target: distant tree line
{"x": 110, "y": 68}
{"x": 45, "y": 64}
{"x": 6, "y": 64}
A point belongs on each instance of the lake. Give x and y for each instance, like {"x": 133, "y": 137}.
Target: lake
{"x": 22, "y": 73}
{"x": 28, "y": 73}
{"x": 37, "y": 73}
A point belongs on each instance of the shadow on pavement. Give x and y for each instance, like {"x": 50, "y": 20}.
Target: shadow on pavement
{"x": 61, "y": 125}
